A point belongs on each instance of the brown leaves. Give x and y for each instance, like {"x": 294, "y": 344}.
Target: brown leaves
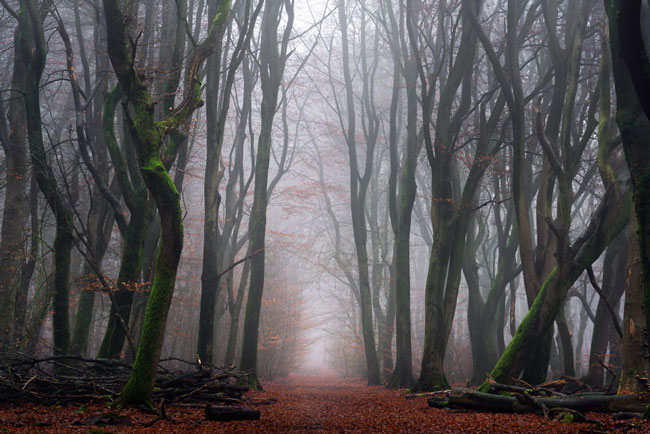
{"x": 309, "y": 404}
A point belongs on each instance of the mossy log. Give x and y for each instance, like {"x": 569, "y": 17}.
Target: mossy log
{"x": 479, "y": 401}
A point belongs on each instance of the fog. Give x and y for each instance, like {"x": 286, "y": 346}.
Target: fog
{"x": 359, "y": 188}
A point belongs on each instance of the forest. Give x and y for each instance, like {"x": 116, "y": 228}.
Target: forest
{"x": 330, "y": 215}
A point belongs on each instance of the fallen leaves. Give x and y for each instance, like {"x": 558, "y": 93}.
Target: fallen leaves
{"x": 304, "y": 404}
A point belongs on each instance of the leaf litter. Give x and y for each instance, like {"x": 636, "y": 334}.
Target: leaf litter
{"x": 301, "y": 403}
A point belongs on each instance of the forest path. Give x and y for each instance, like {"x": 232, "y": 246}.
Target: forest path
{"x": 334, "y": 404}
{"x": 306, "y": 404}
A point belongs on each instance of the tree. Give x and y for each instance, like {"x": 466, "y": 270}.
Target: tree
{"x": 218, "y": 102}
{"x": 451, "y": 207}
{"x": 557, "y": 260}
{"x": 359, "y": 182}
{"x": 147, "y": 134}
{"x": 606, "y": 317}
{"x": 631, "y": 67}
{"x": 14, "y": 218}
{"x": 32, "y": 50}
{"x": 273, "y": 57}
{"x": 400, "y": 202}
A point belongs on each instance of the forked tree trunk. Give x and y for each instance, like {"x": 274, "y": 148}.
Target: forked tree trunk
{"x": 147, "y": 137}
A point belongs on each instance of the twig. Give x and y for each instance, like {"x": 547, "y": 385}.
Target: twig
{"x": 27, "y": 382}
{"x": 599, "y": 291}
{"x": 608, "y": 369}
{"x": 234, "y": 264}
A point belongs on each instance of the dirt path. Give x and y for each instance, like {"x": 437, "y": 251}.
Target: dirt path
{"x": 309, "y": 404}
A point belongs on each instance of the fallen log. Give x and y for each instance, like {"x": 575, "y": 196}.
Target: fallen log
{"x": 442, "y": 393}
{"x": 537, "y": 391}
{"x": 625, "y": 415}
{"x": 479, "y": 401}
{"x": 223, "y": 413}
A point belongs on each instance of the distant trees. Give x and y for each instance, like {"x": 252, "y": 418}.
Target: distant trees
{"x": 284, "y": 324}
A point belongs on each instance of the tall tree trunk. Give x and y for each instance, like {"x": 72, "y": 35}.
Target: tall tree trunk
{"x": 403, "y": 375}
{"x": 358, "y": 189}
{"x": 632, "y": 78}
{"x": 272, "y": 63}
{"x": 211, "y": 203}
{"x": 14, "y": 213}
{"x": 31, "y": 40}
{"x": 636, "y": 365}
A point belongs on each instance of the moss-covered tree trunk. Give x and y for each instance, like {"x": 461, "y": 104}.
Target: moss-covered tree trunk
{"x": 608, "y": 220}
{"x": 171, "y": 54}
{"x": 147, "y": 135}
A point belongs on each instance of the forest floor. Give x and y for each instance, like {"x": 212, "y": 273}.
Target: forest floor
{"x": 305, "y": 404}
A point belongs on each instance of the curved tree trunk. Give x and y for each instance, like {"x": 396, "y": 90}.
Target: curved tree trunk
{"x": 147, "y": 135}
{"x": 31, "y": 40}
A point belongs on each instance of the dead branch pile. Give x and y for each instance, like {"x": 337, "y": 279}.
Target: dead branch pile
{"x": 68, "y": 379}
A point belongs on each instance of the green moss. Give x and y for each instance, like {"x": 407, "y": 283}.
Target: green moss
{"x": 223, "y": 9}
{"x": 511, "y": 359}
{"x": 566, "y": 417}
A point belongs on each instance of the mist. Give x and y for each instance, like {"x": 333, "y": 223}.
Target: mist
{"x": 421, "y": 195}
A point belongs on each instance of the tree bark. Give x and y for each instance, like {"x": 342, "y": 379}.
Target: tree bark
{"x": 147, "y": 136}
{"x": 272, "y": 63}
{"x": 14, "y": 216}
{"x": 358, "y": 190}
